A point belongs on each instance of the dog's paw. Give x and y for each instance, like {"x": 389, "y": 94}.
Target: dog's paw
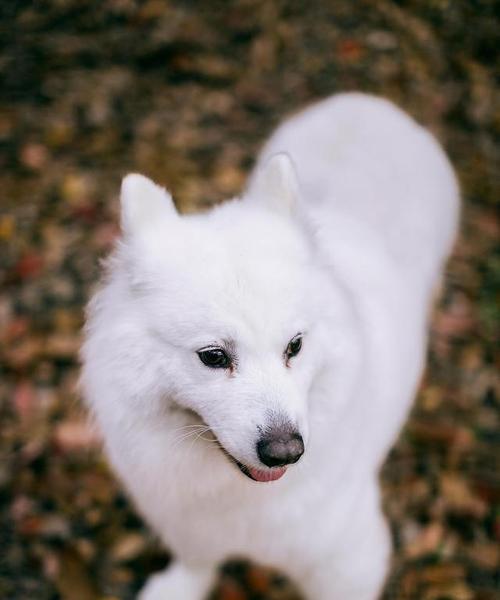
{"x": 176, "y": 583}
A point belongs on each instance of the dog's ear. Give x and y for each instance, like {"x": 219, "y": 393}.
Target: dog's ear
{"x": 276, "y": 185}
{"x": 143, "y": 203}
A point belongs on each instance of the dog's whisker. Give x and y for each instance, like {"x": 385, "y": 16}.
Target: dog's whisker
{"x": 183, "y": 437}
{"x": 192, "y": 430}
{"x": 186, "y": 427}
{"x": 188, "y": 434}
{"x": 198, "y": 433}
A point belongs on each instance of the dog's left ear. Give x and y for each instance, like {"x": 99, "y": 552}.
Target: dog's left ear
{"x": 276, "y": 185}
{"x": 143, "y": 204}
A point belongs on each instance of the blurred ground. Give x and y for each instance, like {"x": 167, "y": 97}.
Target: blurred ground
{"x": 186, "y": 92}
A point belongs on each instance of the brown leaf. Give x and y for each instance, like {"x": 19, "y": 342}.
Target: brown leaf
{"x": 72, "y": 579}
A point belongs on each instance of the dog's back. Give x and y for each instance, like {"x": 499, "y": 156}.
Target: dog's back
{"x": 351, "y": 147}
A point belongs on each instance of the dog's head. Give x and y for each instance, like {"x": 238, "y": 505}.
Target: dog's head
{"x": 229, "y": 302}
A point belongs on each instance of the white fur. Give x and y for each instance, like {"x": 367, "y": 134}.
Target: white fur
{"x": 345, "y": 245}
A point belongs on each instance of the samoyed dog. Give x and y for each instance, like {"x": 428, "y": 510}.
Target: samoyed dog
{"x": 251, "y": 366}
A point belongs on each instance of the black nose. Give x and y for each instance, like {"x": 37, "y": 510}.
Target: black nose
{"x": 279, "y": 448}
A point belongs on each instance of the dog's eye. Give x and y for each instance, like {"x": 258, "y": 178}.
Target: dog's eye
{"x": 294, "y": 347}
{"x": 214, "y": 357}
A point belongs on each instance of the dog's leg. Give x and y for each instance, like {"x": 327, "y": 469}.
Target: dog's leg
{"x": 179, "y": 582}
{"x": 356, "y": 571}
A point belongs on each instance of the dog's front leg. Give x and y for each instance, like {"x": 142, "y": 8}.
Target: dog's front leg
{"x": 357, "y": 567}
{"x": 179, "y": 582}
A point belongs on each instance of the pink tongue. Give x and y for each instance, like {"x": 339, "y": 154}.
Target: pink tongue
{"x": 268, "y": 474}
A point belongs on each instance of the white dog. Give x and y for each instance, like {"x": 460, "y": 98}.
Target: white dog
{"x": 251, "y": 366}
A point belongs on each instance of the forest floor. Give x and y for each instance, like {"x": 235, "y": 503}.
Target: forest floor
{"x": 186, "y": 92}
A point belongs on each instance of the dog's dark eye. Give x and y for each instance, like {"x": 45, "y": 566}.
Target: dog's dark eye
{"x": 215, "y": 357}
{"x": 293, "y": 347}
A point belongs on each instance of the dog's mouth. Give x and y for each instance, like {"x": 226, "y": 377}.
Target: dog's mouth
{"x": 261, "y": 475}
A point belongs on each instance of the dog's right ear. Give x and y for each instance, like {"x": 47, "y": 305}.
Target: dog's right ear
{"x": 143, "y": 203}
